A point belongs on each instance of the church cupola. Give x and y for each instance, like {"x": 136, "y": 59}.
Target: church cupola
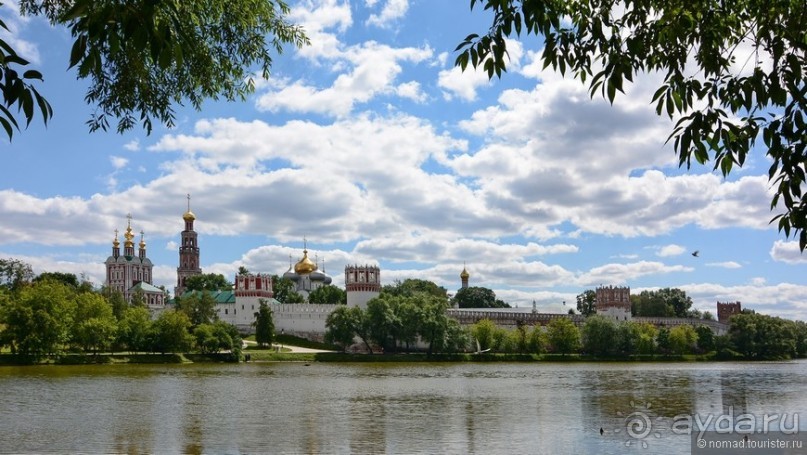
{"x": 142, "y": 245}
{"x": 464, "y": 275}
{"x": 128, "y": 245}
{"x": 116, "y": 246}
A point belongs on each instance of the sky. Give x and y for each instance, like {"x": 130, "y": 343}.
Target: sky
{"x": 371, "y": 146}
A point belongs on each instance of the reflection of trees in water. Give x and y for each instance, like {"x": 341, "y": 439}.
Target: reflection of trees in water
{"x": 733, "y": 393}
{"x": 609, "y": 392}
{"x": 610, "y": 397}
{"x": 368, "y": 424}
{"x": 422, "y": 423}
{"x": 192, "y": 424}
{"x": 133, "y": 425}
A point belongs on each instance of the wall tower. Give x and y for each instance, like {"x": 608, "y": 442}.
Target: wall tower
{"x": 725, "y": 310}
{"x": 614, "y": 302}
{"x": 362, "y": 283}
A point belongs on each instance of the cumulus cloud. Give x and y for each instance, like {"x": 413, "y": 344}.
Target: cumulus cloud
{"x": 620, "y": 274}
{"x": 133, "y": 145}
{"x": 725, "y": 265}
{"x": 392, "y": 10}
{"x": 462, "y": 84}
{"x": 374, "y": 69}
{"x": 118, "y": 162}
{"x": 670, "y": 250}
{"x": 787, "y": 252}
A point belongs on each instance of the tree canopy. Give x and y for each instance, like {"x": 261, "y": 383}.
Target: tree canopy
{"x": 328, "y": 294}
{"x": 14, "y": 273}
{"x": 587, "y": 302}
{"x": 661, "y": 303}
{"x": 283, "y": 291}
{"x": 208, "y": 282}
{"x": 478, "y": 297}
{"x": 142, "y": 58}
{"x": 412, "y": 286}
{"x": 732, "y": 72}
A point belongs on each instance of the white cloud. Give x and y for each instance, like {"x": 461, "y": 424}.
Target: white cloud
{"x": 374, "y": 69}
{"x": 412, "y": 91}
{"x": 118, "y": 162}
{"x": 620, "y": 274}
{"x": 462, "y": 84}
{"x": 392, "y": 10}
{"x": 133, "y": 145}
{"x": 670, "y": 250}
{"x": 725, "y": 265}
{"x": 787, "y": 252}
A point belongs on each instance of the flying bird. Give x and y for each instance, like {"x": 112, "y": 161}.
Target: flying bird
{"x": 696, "y": 253}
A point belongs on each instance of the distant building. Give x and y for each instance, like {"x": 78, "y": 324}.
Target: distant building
{"x": 188, "y": 252}
{"x": 306, "y": 275}
{"x": 362, "y": 283}
{"x": 464, "y": 275}
{"x": 131, "y": 274}
{"x": 725, "y": 310}
{"x": 614, "y": 302}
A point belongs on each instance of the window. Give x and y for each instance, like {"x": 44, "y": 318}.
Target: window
{"x": 225, "y": 311}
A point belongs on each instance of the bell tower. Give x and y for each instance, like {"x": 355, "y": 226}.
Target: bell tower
{"x": 188, "y": 252}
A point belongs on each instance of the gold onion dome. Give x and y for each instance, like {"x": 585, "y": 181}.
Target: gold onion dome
{"x": 464, "y": 273}
{"x": 115, "y": 242}
{"x": 129, "y": 236}
{"x": 142, "y": 240}
{"x": 305, "y": 265}
{"x": 188, "y": 216}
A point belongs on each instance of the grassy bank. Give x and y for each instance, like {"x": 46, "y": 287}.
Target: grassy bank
{"x": 101, "y": 359}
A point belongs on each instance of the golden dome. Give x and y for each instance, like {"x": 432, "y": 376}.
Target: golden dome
{"x": 129, "y": 236}
{"x": 305, "y": 266}
{"x": 464, "y": 274}
{"x": 142, "y": 240}
{"x": 189, "y": 216}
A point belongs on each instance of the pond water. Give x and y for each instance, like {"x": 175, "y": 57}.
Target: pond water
{"x": 384, "y": 407}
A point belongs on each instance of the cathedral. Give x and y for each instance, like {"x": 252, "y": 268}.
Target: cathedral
{"x": 130, "y": 274}
{"x": 306, "y": 275}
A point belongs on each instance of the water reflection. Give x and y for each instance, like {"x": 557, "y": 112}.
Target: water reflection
{"x": 377, "y": 408}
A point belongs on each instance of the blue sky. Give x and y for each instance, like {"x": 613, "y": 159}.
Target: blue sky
{"x": 372, "y": 146}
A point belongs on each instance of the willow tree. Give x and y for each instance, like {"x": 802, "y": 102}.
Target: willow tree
{"x": 144, "y": 57}
{"x": 725, "y": 98}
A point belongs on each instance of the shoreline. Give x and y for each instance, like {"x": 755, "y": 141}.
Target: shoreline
{"x": 339, "y": 357}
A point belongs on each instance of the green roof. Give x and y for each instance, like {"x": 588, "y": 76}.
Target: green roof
{"x": 219, "y": 296}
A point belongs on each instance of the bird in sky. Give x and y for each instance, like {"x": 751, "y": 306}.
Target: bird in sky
{"x": 696, "y": 253}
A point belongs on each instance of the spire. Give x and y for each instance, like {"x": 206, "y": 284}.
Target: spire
{"x": 189, "y": 216}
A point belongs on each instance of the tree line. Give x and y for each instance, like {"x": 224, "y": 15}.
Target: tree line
{"x": 56, "y": 313}
{"x": 665, "y": 302}
{"x": 750, "y": 336}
